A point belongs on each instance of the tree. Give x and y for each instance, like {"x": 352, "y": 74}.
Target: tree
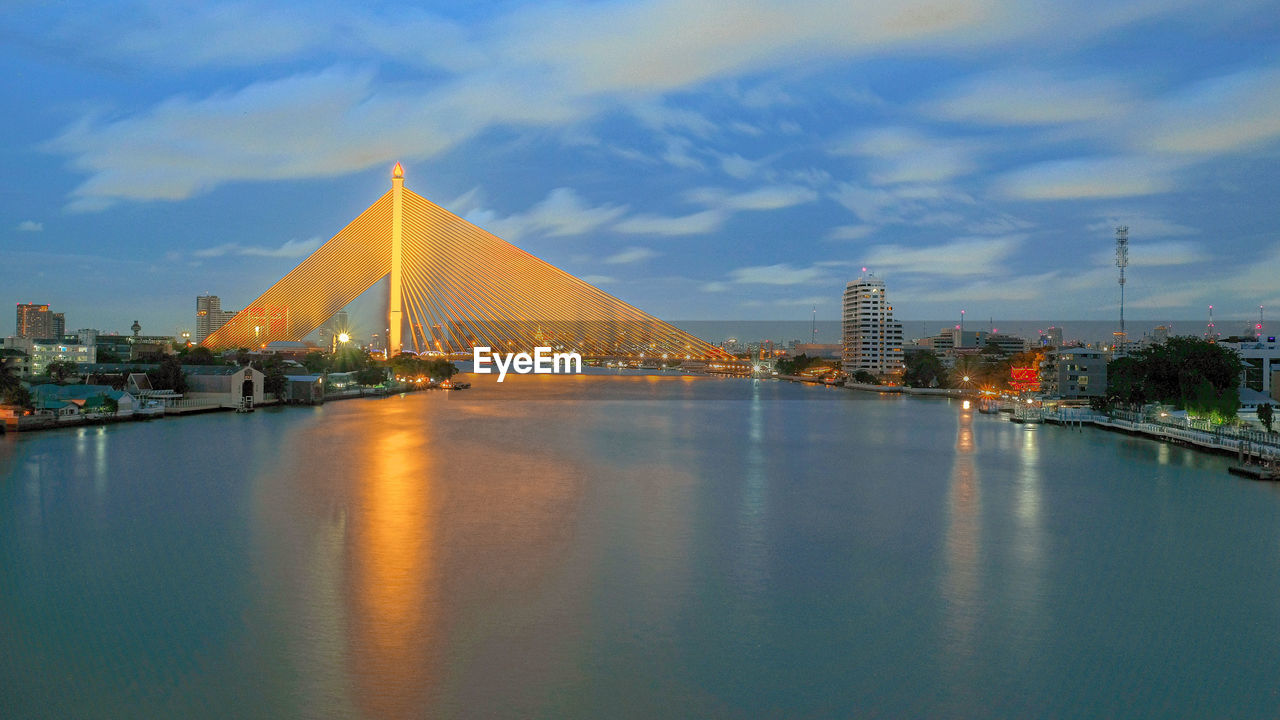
{"x": 8, "y": 380}
{"x": 168, "y": 375}
{"x": 60, "y": 370}
{"x": 1193, "y": 374}
{"x": 274, "y": 381}
{"x": 199, "y": 355}
{"x": 1265, "y": 416}
{"x": 18, "y": 396}
{"x": 106, "y": 356}
{"x": 315, "y": 362}
{"x": 371, "y": 376}
{"x": 924, "y": 369}
{"x": 866, "y": 378}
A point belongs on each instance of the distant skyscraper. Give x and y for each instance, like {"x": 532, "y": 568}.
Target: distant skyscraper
{"x": 59, "y": 325}
{"x": 210, "y": 316}
{"x": 872, "y": 338}
{"x": 1051, "y": 337}
{"x": 34, "y": 321}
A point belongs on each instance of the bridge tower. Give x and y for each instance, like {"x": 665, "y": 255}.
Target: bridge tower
{"x": 396, "y": 314}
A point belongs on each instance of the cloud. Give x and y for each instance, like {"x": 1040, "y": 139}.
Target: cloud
{"x": 903, "y": 155}
{"x": 1220, "y": 115}
{"x": 598, "y": 279}
{"x": 562, "y": 213}
{"x": 30, "y": 226}
{"x": 850, "y": 232}
{"x": 965, "y": 256}
{"x": 631, "y": 255}
{"x": 1174, "y": 299}
{"x": 775, "y": 197}
{"x": 1088, "y": 178}
{"x": 1022, "y": 288}
{"x": 699, "y": 223}
{"x": 1032, "y": 97}
{"x": 1141, "y": 225}
{"x": 290, "y": 249}
{"x": 914, "y": 203}
{"x": 534, "y": 66}
{"x": 715, "y": 287}
{"x": 781, "y": 274}
{"x": 1160, "y": 254}
{"x": 788, "y": 302}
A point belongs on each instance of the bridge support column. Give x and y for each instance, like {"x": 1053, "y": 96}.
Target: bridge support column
{"x": 395, "y": 318}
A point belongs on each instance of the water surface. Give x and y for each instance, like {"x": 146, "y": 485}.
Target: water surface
{"x": 630, "y": 546}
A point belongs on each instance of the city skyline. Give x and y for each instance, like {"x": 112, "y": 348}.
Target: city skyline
{"x": 696, "y": 165}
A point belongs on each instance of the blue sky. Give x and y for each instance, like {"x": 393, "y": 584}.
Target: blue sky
{"x": 701, "y": 160}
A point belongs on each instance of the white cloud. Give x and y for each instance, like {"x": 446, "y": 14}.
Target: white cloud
{"x": 598, "y": 279}
{"x": 1224, "y": 114}
{"x": 30, "y": 226}
{"x": 1159, "y": 254}
{"x": 631, "y": 255}
{"x": 290, "y": 249}
{"x": 774, "y": 197}
{"x": 964, "y": 256}
{"x": 1141, "y": 225}
{"x": 1088, "y": 178}
{"x": 699, "y": 223}
{"x": 562, "y": 213}
{"x": 781, "y": 274}
{"x": 903, "y": 155}
{"x": 1032, "y": 97}
{"x": 919, "y": 204}
{"x": 850, "y": 232}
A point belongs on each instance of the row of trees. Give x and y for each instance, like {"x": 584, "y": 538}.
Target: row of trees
{"x": 989, "y": 368}
{"x": 1196, "y": 375}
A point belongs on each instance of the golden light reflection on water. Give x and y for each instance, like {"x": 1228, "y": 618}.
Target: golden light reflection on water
{"x": 962, "y": 583}
{"x": 391, "y": 574}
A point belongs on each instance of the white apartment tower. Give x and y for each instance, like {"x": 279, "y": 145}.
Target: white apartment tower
{"x": 872, "y": 338}
{"x": 210, "y": 316}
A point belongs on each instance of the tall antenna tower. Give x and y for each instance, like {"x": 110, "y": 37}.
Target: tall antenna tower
{"x": 1209, "y": 333}
{"x": 813, "y": 326}
{"x": 1259, "y": 333}
{"x": 1122, "y": 262}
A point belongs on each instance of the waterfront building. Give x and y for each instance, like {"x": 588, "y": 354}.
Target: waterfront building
{"x": 1074, "y": 373}
{"x": 1261, "y": 360}
{"x": 872, "y": 338}
{"x": 225, "y": 385}
{"x": 210, "y": 316}
{"x": 34, "y": 321}
{"x": 822, "y": 350}
{"x": 1051, "y": 337}
{"x": 43, "y": 351}
{"x": 952, "y": 340}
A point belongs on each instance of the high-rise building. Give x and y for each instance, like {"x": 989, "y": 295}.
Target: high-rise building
{"x": 872, "y": 338}
{"x": 59, "y": 325}
{"x": 34, "y": 321}
{"x": 210, "y": 316}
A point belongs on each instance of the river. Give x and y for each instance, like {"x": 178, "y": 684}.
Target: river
{"x": 630, "y": 547}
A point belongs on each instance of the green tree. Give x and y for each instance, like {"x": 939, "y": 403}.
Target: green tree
{"x": 315, "y": 362}
{"x": 60, "y": 370}
{"x": 866, "y": 378}
{"x": 274, "y": 381}
{"x": 168, "y": 375}
{"x": 8, "y": 379}
{"x": 924, "y": 369}
{"x": 199, "y": 355}
{"x": 1266, "y": 416}
{"x": 18, "y": 396}
{"x": 371, "y": 376}
{"x": 106, "y": 356}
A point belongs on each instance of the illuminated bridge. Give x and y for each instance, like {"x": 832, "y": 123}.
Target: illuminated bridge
{"x": 453, "y": 286}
